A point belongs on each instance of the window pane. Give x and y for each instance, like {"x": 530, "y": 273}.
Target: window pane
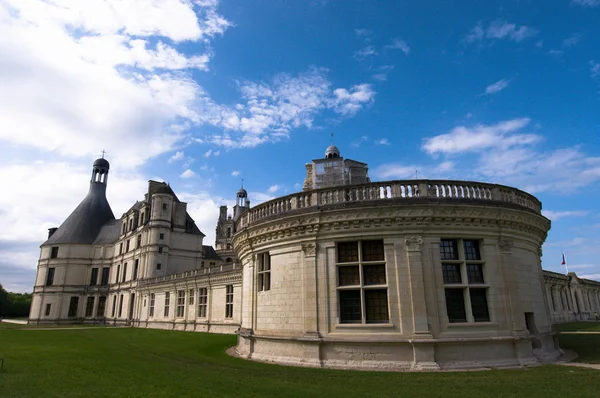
{"x": 471, "y": 250}
{"x": 376, "y": 306}
{"x": 347, "y": 252}
{"x": 479, "y": 305}
{"x": 448, "y": 249}
{"x": 475, "y": 273}
{"x": 374, "y": 274}
{"x": 372, "y": 250}
{"x": 451, "y": 273}
{"x": 455, "y": 305}
{"x": 348, "y": 276}
{"x": 350, "y": 306}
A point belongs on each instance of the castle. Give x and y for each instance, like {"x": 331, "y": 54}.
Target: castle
{"x": 348, "y": 273}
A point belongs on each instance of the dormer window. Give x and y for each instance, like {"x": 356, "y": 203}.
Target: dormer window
{"x": 54, "y": 252}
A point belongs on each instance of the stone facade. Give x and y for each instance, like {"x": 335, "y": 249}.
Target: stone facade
{"x": 571, "y": 298}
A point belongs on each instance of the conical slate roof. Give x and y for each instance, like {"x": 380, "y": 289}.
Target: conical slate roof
{"x": 84, "y": 224}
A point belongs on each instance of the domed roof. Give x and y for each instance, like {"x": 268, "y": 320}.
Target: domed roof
{"x": 101, "y": 162}
{"x": 332, "y": 150}
{"x": 242, "y": 192}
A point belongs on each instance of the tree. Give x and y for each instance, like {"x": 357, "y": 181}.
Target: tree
{"x": 14, "y": 305}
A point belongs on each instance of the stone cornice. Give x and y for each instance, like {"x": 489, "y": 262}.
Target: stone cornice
{"x": 422, "y": 218}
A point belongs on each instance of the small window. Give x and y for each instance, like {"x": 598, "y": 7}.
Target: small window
{"x": 89, "y": 307}
{"x": 264, "y": 272}
{"x": 120, "y": 306}
{"x": 73, "y": 304}
{"x": 192, "y": 294}
{"x": 135, "y": 269}
{"x": 124, "y": 273}
{"x": 101, "y": 306}
{"x": 160, "y": 249}
{"x": 127, "y": 246}
{"x": 121, "y": 248}
{"x": 54, "y": 252}
{"x": 158, "y": 266}
{"x": 94, "y": 277}
{"x": 180, "y": 303}
{"x": 161, "y": 236}
{"x": 48, "y": 308}
{"x": 202, "y": 302}
{"x": 167, "y": 304}
{"x": 139, "y": 241}
{"x": 105, "y": 276}
{"x": 164, "y": 206}
{"x": 152, "y": 301}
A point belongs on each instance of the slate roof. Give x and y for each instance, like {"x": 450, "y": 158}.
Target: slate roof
{"x": 86, "y": 221}
{"x": 210, "y": 253}
{"x": 109, "y": 233}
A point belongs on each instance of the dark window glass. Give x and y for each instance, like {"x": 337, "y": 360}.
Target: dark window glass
{"x": 50, "y": 277}
{"x": 118, "y": 273}
{"x": 73, "y": 306}
{"x": 448, "y": 249}
{"x": 48, "y": 307}
{"x": 101, "y": 306}
{"x": 202, "y": 302}
{"x": 124, "y": 272}
{"x": 347, "y": 252}
{"x": 160, "y": 249}
{"x": 94, "y": 277}
{"x": 471, "y": 250}
{"x": 455, "y": 305}
{"x": 161, "y": 236}
{"x": 451, "y": 273}
{"x": 372, "y": 250}
{"x": 127, "y": 245}
{"x": 105, "y": 276}
{"x": 229, "y": 301}
{"x": 475, "y": 273}
{"x": 350, "y": 306}
{"x": 376, "y": 306}
{"x": 139, "y": 241}
{"x": 120, "y": 248}
{"x": 373, "y": 274}
{"x": 89, "y": 306}
{"x": 54, "y": 252}
{"x": 114, "y": 306}
{"x": 135, "y": 269}
{"x": 479, "y": 305}
{"x": 120, "y": 306}
{"x": 158, "y": 266}
{"x": 348, "y": 276}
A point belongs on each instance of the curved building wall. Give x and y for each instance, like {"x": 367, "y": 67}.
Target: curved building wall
{"x": 401, "y": 301}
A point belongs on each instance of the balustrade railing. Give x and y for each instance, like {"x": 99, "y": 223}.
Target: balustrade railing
{"x": 188, "y": 274}
{"x": 378, "y": 191}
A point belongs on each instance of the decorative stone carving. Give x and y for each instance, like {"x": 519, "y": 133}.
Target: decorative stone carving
{"x": 309, "y": 249}
{"x": 413, "y": 243}
{"x": 506, "y": 245}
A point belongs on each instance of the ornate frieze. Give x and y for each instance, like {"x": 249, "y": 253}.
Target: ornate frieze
{"x": 413, "y": 243}
{"x": 309, "y": 249}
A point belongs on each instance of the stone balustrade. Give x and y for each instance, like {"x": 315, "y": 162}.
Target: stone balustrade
{"x": 189, "y": 274}
{"x": 389, "y": 190}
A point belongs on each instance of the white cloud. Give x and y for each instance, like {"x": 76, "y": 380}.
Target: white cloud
{"x": 588, "y": 3}
{"x": 177, "y": 156}
{"x": 348, "y": 102}
{"x": 366, "y": 52}
{"x": 382, "y": 141}
{"x": 235, "y": 173}
{"x": 363, "y": 33}
{"x": 208, "y": 153}
{"x": 216, "y": 153}
{"x": 464, "y": 139}
{"x": 382, "y": 72}
{"x": 595, "y": 69}
{"x": 500, "y": 29}
{"x": 497, "y": 86}
{"x": 357, "y": 143}
{"x": 398, "y": 44}
{"x": 297, "y": 185}
{"x": 572, "y": 40}
{"x": 274, "y": 188}
{"x": 556, "y": 53}
{"x": 188, "y": 174}
{"x": 557, "y": 215}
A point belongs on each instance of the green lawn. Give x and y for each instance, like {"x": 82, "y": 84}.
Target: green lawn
{"x": 126, "y": 362}
{"x": 587, "y": 346}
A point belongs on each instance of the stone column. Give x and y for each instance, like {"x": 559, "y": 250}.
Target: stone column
{"x": 421, "y": 340}
{"x": 309, "y": 289}
{"x": 515, "y": 310}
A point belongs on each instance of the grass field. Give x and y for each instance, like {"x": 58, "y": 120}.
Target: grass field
{"x": 125, "y": 362}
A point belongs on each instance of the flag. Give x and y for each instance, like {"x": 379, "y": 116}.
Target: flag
{"x": 564, "y": 261}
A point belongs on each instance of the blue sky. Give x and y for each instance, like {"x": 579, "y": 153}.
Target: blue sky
{"x": 203, "y": 93}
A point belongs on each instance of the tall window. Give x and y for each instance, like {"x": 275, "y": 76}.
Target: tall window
{"x": 54, "y": 252}
{"x": 229, "y": 301}
{"x": 264, "y": 272}
{"x": 120, "y": 305}
{"x": 167, "y": 303}
{"x": 202, "y": 302}
{"x": 127, "y": 245}
{"x": 121, "y": 247}
{"x": 89, "y": 306}
{"x": 191, "y": 302}
{"x": 73, "y": 304}
{"x": 135, "y": 268}
{"x": 152, "y": 301}
{"x": 180, "y": 303}
{"x": 48, "y": 308}
{"x": 139, "y": 241}
{"x": 464, "y": 284}
{"x": 114, "y": 306}
{"x": 94, "y": 277}
{"x": 124, "y": 272}
{"x": 118, "y": 274}
{"x": 161, "y": 236}
{"x": 362, "y": 282}
{"x": 160, "y": 249}
{"x": 105, "y": 276}
{"x": 101, "y": 306}
{"x": 50, "y": 277}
